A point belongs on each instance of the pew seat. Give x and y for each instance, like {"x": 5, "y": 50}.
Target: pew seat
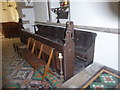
{"x": 84, "y": 46}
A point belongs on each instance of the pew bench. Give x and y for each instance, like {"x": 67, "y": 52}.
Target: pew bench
{"x": 65, "y": 40}
{"x": 84, "y": 41}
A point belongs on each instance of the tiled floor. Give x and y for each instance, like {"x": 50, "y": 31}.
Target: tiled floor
{"x": 12, "y": 59}
{"x": 17, "y": 73}
{"x": 21, "y": 72}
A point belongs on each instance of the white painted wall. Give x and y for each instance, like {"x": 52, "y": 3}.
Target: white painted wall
{"x": 99, "y": 14}
{"x": 29, "y": 15}
{"x": 41, "y": 11}
{"x": 106, "y": 49}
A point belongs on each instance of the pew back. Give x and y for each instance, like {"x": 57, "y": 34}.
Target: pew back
{"x": 84, "y": 41}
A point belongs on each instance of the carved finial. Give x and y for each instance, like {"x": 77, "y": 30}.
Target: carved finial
{"x": 69, "y": 31}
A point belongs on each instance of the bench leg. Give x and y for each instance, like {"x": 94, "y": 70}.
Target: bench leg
{"x": 45, "y": 73}
{"x": 51, "y": 72}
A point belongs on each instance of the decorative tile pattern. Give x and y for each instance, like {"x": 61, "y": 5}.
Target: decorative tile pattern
{"x": 26, "y": 64}
{"x": 15, "y": 62}
{"x": 108, "y": 79}
{"x": 12, "y": 85}
{"x": 18, "y": 73}
{"x": 19, "y": 77}
{"x": 37, "y": 76}
{"x": 36, "y": 86}
{"x": 21, "y": 74}
{"x": 54, "y": 81}
{"x": 102, "y": 80}
{"x": 97, "y": 86}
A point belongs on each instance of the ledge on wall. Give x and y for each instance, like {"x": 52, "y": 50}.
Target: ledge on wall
{"x": 92, "y": 28}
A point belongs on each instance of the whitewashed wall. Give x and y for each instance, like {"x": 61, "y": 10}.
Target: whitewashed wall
{"x": 99, "y": 14}
{"x": 29, "y": 16}
{"x": 106, "y": 49}
{"x": 41, "y": 11}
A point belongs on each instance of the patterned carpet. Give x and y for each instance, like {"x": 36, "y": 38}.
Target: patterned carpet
{"x": 20, "y": 74}
{"x": 106, "y": 78}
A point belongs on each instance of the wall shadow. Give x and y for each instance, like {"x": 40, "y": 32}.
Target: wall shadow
{"x": 113, "y": 6}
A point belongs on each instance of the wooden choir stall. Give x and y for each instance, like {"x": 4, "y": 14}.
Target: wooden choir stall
{"x": 68, "y": 44}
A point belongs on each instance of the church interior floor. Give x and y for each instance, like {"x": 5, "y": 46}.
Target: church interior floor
{"x": 9, "y": 54}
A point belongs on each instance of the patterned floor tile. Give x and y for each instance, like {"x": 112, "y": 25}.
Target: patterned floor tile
{"x": 22, "y": 74}
{"x": 15, "y": 81}
{"x": 52, "y": 80}
{"x": 26, "y": 64}
{"x": 37, "y": 76}
{"x": 97, "y": 85}
{"x": 106, "y": 79}
{"x": 36, "y": 86}
{"x": 26, "y": 81}
{"x": 15, "y": 62}
{"x": 12, "y": 85}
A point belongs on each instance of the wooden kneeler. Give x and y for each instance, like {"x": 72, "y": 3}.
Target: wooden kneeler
{"x": 34, "y": 54}
{"x": 49, "y": 51}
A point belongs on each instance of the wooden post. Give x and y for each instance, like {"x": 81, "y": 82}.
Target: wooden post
{"x": 61, "y": 68}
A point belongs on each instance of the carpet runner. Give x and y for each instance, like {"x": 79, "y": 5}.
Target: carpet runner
{"x": 106, "y": 78}
{"x": 20, "y": 74}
